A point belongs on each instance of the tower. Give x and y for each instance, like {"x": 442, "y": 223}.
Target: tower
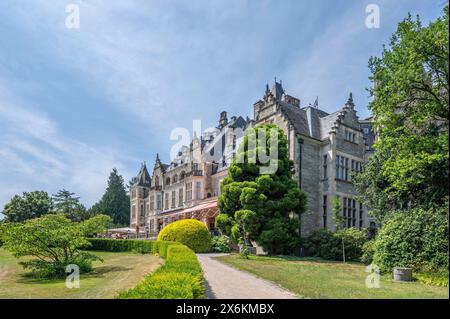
{"x": 139, "y": 190}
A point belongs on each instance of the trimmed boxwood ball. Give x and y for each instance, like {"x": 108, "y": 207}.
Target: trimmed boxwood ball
{"x": 190, "y": 232}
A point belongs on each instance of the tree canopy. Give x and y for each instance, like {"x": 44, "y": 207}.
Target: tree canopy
{"x": 115, "y": 202}
{"x": 53, "y": 240}
{"x": 259, "y": 206}
{"x": 410, "y": 110}
{"x": 29, "y": 205}
{"x": 66, "y": 203}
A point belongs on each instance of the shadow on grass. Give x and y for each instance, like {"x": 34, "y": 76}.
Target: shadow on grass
{"x": 317, "y": 260}
{"x": 97, "y": 272}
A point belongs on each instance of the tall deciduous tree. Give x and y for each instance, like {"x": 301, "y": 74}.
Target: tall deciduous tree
{"x": 28, "y": 206}
{"x": 259, "y": 206}
{"x": 410, "y": 109}
{"x": 115, "y": 202}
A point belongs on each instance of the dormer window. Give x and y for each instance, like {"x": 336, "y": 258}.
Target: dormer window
{"x": 350, "y": 136}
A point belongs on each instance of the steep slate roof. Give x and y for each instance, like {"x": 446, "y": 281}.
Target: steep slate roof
{"x": 309, "y": 121}
{"x": 143, "y": 178}
{"x": 296, "y": 116}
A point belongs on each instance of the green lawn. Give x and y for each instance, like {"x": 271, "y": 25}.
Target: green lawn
{"x": 310, "y": 278}
{"x": 118, "y": 271}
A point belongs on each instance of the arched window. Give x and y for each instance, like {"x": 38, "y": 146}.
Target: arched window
{"x": 182, "y": 175}
{"x": 168, "y": 181}
{"x": 175, "y": 178}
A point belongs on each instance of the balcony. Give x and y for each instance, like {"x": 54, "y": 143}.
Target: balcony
{"x": 197, "y": 173}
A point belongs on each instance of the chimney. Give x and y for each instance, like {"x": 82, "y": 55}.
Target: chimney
{"x": 223, "y": 119}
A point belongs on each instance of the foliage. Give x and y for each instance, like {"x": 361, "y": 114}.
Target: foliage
{"x": 368, "y": 250}
{"x": 439, "y": 278}
{"x": 263, "y": 202}
{"x": 65, "y": 202}
{"x": 220, "y": 244}
{"x": 53, "y": 240}
{"x": 328, "y": 245}
{"x": 95, "y": 225}
{"x": 115, "y": 202}
{"x": 336, "y": 208}
{"x": 410, "y": 109}
{"x": 180, "y": 277}
{"x": 28, "y": 206}
{"x": 417, "y": 238}
{"x": 190, "y": 232}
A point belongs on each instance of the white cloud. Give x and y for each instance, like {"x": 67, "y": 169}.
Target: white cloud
{"x": 34, "y": 155}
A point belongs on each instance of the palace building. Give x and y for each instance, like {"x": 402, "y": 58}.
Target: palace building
{"x": 325, "y": 148}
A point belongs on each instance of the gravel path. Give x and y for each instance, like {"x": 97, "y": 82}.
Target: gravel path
{"x": 225, "y": 282}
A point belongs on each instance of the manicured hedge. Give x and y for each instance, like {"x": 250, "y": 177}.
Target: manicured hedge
{"x": 179, "y": 278}
{"x": 190, "y": 232}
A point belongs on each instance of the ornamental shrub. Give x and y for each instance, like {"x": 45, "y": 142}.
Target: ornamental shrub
{"x": 415, "y": 238}
{"x": 49, "y": 243}
{"x": 189, "y": 232}
{"x": 328, "y": 245}
{"x": 180, "y": 277}
{"x": 368, "y": 249}
{"x": 221, "y": 244}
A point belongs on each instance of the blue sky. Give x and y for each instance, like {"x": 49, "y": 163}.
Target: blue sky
{"x": 74, "y": 103}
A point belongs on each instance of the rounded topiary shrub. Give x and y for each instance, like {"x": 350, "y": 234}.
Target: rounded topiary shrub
{"x": 189, "y": 232}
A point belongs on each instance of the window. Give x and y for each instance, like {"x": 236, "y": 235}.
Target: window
{"x": 353, "y": 213}
{"x": 344, "y": 210}
{"x": 152, "y": 203}
{"x": 168, "y": 181}
{"x": 152, "y": 226}
{"x": 158, "y": 202}
{"x": 133, "y": 193}
{"x": 340, "y": 167}
{"x": 350, "y": 136}
{"x": 166, "y": 201}
{"x": 173, "y": 199}
{"x": 157, "y": 181}
{"x": 325, "y": 212}
{"x": 142, "y": 210}
{"x": 346, "y": 176}
{"x": 349, "y": 212}
{"x": 361, "y": 215}
{"x": 198, "y": 188}
{"x": 133, "y": 212}
{"x": 325, "y": 158}
{"x": 182, "y": 175}
{"x": 180, "y": 197}
{"x": 175, "y": 178}
{"x": 188, "y": 191}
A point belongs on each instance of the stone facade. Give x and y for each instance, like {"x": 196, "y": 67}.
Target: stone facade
{"x": 325, "y": 149}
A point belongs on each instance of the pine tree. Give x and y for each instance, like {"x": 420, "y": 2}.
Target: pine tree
{"x": 259, "y": 206}
{"x": 66, "y": 203}
{"x": 115, "y": 202}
